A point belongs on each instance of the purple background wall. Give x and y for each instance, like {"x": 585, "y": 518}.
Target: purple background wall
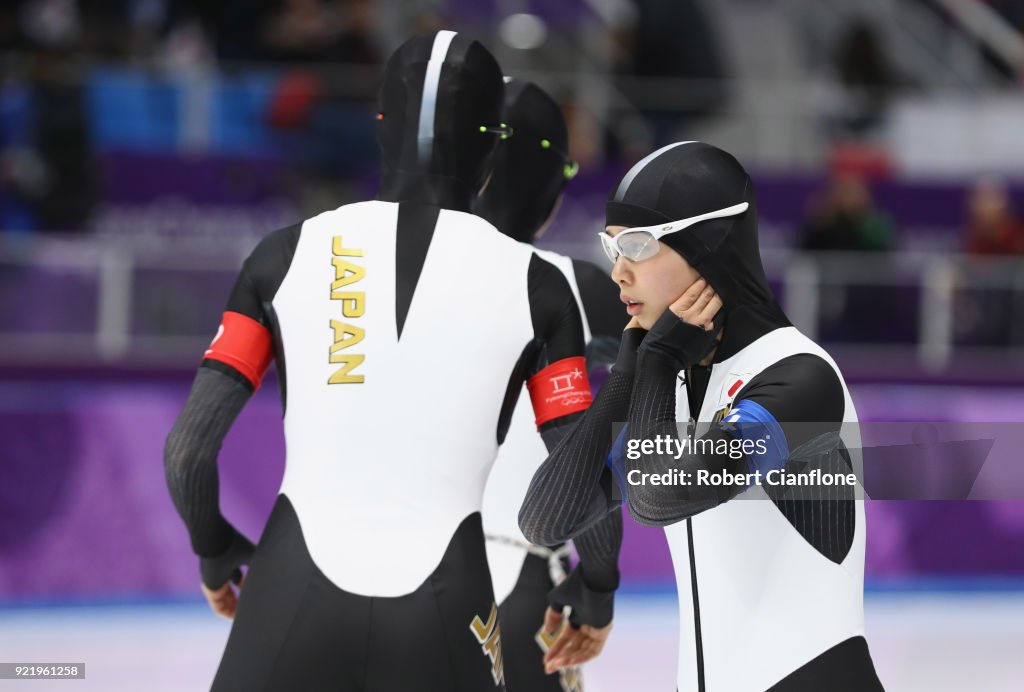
{"x": 84, "y": 511}
{"x": 260, "y": 193}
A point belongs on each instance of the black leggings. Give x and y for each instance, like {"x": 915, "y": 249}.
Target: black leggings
{"x": 522, "y": 617}
{"x": 295, "y": 630}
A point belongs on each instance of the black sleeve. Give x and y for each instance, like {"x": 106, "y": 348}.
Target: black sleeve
{"x": 557, "y": 334}
{"x": 244, "y": 299}
{"x": 797, "y": 390}
{"x": 800, "y": 389}
{"x": 262, "y": 273}
{"x": 590, "y": 588}
{"x": 572, "y": 488}
{"x": 219, "y": 392}
{"x": 598, "y": 548}
{"x": 557, "y": 328}
{"x": 553, "y": 310}
{"x": 605, "y": 313}
{"x": 190, "y": 458}
{"x": 245, "y": 295}
{"x": 254, "y": 289}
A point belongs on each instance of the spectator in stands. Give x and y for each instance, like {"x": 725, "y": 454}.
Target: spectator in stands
{"x": 992, "y": 226}
{"x": 47, "y": 160}
{"x": 286, "y": 31}
{"x": 319, "y": 30}
{"x": 845, "y": 218}
{"x": 868, "y": 77}
{"x": 324, "y": 114}
{"x": 675, "y": 39}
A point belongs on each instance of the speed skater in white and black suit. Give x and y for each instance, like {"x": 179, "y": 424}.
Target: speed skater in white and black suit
{"x": 770, "y": 585}
{"x": 530, "y": 172}
{"x": 402, "y": 330}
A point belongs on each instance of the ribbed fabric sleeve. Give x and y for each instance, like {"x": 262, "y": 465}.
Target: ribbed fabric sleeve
{"x": 190, "y": 458}
{"x": 598, "y": 548}
{"x": 571, "y": 489}
{"x": 652, "y": 413}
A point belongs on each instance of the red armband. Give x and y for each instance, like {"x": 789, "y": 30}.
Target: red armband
{"x": 560, "y": 389}
{"x": 244, "y": 344}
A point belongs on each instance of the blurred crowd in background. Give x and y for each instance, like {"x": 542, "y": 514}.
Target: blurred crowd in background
{"x": 881, "y": 126}
{"x": 325, "y": 56}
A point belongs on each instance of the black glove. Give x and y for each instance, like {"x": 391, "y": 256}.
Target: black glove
{"x": 216, "y": 571}
{"x": 625, "y": 363}
{"x": 589, "y": 606}
{"x": 681, "y": 343}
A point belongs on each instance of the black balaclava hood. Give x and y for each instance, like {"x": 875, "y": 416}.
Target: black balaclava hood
{"x": 531, "y": 167}
{"x": 687, "y": 179}
{"x": 438, "y": 91}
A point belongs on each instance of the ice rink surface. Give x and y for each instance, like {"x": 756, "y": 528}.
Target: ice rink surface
{"x": 934, "y": 641}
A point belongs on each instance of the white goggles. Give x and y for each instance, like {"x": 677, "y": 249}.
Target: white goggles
{"x": 642, "y": 243}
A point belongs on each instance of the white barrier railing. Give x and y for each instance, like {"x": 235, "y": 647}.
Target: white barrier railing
{"x": 115, "y": 271}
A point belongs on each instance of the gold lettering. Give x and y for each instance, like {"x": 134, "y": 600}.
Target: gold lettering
{"x": 489, "y": 636}
{"x": 353, "y": 304}
{"x": 341, "y": 375}
{"x": 338, "y": 248}
{"x": 345, "y": 273}
{"x": 481, "y": 630}
{"x": 493, "y": 650}
{"x": 342, "y": 338}
{"x": 545, "y": 640}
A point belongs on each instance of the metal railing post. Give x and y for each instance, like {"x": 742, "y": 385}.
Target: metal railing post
{"x": 113, "y": 314}
{"x": 938, "y": 284}
{"x": 802, "y": 281}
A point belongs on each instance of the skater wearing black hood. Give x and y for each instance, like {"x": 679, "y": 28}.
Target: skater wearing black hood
{"x": 402, "y": 329}
{"x": 770, "y": 590}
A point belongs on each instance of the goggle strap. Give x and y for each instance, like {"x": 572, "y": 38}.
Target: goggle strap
{"x": 613, "y": 244}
